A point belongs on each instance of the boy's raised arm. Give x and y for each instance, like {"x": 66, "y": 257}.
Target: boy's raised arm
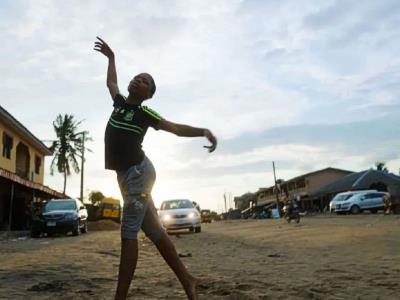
{"x": 112, "y": 82}
{"x": 189, "y": 131}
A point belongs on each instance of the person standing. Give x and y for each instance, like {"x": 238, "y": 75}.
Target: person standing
{"x": 136, "y": 175}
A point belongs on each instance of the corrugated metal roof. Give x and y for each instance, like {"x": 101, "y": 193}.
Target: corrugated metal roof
{"x": 30, "y": 184}
{"x": 358, "y": 181}
{"x": 316, "y": 172}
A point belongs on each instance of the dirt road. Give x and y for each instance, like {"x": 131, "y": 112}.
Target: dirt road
{"x": 339, "y": 257}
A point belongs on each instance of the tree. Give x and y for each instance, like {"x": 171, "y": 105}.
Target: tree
{"x": 67, "y": 147}
{"x": 381, "y": 166}
{"x": 95, "y": 197}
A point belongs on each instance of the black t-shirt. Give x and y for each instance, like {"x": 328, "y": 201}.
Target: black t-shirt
{"x": 125, "y": 131}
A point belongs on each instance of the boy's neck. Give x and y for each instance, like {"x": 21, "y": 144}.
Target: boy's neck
{"x": 132, "y": 100}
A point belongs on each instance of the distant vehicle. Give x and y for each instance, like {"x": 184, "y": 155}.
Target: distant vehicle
{"x": 180, "y": 214}
{"x": 361, "y": 201}
{"x": 205, "y": 216}
{"x": 343, "y": 197}
{"x": 110, "y": 209}
{"x": 291, "y": 212}
{"x": 339, "y": 198}
{"x": 61, "y": 216}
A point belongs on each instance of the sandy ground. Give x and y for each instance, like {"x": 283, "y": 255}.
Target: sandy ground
{"x": 338, "y": 257}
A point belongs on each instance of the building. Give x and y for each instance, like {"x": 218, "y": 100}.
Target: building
{"x": 244, "y": 201}
{"x": 364, "y": 180}
{"x": 21, "y": 173}
{"x": 299, "y": 187}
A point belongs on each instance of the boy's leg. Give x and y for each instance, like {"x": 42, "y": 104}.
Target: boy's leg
{"x": 168, "y": 252}
{"x": 154, "y": 230}
{"x": 133, "y": 212}
{"x": 132, "y": 217}
{"x": 127, "y": 266}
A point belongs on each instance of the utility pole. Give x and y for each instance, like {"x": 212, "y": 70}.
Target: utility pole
{"x": 82, "y": 163}
{"x": 225, "y": 200}
{"x": 276, "y": 190}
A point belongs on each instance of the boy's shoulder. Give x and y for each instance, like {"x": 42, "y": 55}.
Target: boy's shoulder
{"x": 150, "y": 111}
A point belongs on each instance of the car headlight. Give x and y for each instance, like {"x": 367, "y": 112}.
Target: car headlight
{"x": 191, "y": 215}
{"x": 167, "y": 217}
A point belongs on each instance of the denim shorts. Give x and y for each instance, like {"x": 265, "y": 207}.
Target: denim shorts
{"x": 138, "y": 211}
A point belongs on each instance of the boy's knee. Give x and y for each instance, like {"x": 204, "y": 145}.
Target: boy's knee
{"x": 129, "y": 234}
{"x": 155, "y": 236}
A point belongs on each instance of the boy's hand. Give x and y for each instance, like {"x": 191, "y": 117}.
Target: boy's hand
{"x": 213, "y": 140}
{"x": 103, "y": 48}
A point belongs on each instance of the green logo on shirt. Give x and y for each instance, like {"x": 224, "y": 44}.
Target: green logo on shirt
{"x": 129, "y": 115}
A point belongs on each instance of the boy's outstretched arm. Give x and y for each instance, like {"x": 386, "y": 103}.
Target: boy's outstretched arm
{"x": 189, "y": 131}
{"x": 112, "y": 82}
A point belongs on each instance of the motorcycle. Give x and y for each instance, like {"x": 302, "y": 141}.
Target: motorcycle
{"x": 291, "y": 212}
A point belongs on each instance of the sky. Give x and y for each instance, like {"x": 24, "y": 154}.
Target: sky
{"x": 307, "y": 84}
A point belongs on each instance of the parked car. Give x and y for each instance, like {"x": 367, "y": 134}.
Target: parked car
{"x": 61, "y": 216}
{"x": 205, "y": 216}
{"x": 180, "y": 214}
{"x": 340, "y": 198}
{"x": 360, "y": 201}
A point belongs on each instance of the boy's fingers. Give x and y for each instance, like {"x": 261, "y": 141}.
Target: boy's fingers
{"x": 100, "y": 39}
{"x": 211, "y": 148}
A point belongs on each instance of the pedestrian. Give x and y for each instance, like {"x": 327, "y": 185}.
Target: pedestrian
{"x": 387, "y": 204}
{"x": 124, "y": 134}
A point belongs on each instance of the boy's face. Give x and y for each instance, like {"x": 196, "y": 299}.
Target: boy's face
{"x": 140, "y": 86}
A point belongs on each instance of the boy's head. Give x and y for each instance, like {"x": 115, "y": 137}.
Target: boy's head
{"x": 142, "y": 86}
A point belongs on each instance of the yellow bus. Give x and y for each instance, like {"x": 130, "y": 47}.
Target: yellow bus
{"x": 110, "y": 208}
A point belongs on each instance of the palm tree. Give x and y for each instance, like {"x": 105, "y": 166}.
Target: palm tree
{"x": 68, "y": 146}
{"x": 381, "y": 166}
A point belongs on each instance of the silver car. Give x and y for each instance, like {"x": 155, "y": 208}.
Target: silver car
{"x": 180, "y": 214}
{"x": 360, "y": 201}
{"x": 340, "y": 198}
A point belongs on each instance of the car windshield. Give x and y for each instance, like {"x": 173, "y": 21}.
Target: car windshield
{"x": 343, "y": 197}
{"x": 205, "y": 212}
{"x": 60, "y": 205}
{"x": 176, "y": 204}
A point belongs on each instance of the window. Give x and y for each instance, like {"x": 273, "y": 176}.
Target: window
{"x": 7, "y": 145}
{"x": 38, "y": 163}
{"x": 301, "y": 183}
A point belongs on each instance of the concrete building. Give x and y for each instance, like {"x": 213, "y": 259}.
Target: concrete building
{"x": 244, "y": 201}
{"x": 21, "y": 173}
{"x": 299, "y": 187}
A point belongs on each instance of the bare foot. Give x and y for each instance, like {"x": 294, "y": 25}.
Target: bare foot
{"x": 191, "y": 288}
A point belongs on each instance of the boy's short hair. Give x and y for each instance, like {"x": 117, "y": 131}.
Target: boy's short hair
{"x": 152, "y": 84}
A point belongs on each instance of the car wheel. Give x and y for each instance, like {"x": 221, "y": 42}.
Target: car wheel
{"x": 192, "y": 229}
{"x": 84, "y": 229}
{"x": 76, "y": 231}
{"x": 197, "y": 230}
{"x": 374, "y": 211}
{"x": 355, "y": 209}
